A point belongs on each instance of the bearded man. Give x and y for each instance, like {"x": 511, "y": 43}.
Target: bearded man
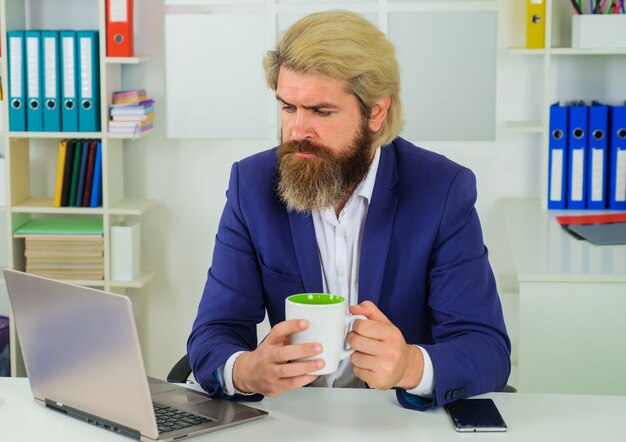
{"x": 345, "y": 206}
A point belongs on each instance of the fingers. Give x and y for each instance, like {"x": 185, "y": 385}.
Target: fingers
{"x": 282, "y": 330}
{"x": 369, "y": 310}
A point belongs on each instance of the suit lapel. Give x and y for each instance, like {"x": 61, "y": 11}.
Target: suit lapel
{"x": 307, "y": 254}
{"x": 378, "y": 228}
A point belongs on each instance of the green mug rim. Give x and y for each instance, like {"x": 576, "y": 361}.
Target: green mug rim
{"x": 315, "y": 299}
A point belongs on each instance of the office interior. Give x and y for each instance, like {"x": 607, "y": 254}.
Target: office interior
{"x": 185, "y": 171}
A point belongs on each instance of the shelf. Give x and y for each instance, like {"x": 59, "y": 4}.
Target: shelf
{"x": 127, "y": 60}
{"x": 45, "y": 205}
{"x": 59, "y": 135}
{"x": 131, "y": 206}
{"x": 568, "y": 51}
{"x": 138, "y": 283}
{"x": 127, "y": 206}
{"x": 531, "y": 127}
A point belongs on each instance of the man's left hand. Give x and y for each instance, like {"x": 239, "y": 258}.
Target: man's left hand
{"x": 382, "y": 358}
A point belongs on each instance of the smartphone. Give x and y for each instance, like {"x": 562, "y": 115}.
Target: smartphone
{"x": 475, "y": 415}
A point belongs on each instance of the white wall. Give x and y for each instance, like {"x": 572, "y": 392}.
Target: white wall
{"x": 189, "y": 178}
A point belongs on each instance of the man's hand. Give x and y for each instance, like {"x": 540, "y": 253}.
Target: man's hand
{"x": 268, "y": 369}
{"x": 382, "y": 358}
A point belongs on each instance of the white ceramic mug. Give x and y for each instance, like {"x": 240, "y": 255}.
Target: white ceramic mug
{"x": 329, "y": 324}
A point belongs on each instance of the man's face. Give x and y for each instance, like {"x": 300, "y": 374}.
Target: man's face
{"x": 326, "y": 142}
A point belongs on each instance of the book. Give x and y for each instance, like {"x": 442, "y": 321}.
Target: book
{"x": 143, "y": 117}
{"x": 58, "y": 190}
{"x": 130, "y": 129}
{"x": 61, "y": 226}
{"x": 132, "y": 110}
{"x": 129, "y": 97}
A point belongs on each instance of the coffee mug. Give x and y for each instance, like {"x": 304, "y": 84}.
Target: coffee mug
{"x": 329, "y": 323}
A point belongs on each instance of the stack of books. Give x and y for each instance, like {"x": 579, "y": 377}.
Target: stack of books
{"x": 79, "y": 174}
{"x": 64, "y": 248}
{"x": 132, "y": 112}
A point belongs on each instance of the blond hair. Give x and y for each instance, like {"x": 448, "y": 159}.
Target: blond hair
{"x": 345, "y": 46}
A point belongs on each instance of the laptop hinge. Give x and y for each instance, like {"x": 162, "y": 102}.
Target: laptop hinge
{"x": 93, "y": 420}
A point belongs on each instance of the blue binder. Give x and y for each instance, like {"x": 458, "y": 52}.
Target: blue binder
{"x": 34, "y": 83}
{"x": 597, "y": 156}
{"x": 96, "y": 189}
{"x": 89, "y": 80}
{"x": 69, "y": 81}
{"x": 17, "y": 80}
{"x": 577, "y": 156}
{"x": 557, "y": 160}
{"x": 617, "y": 176}
{"x": 51, "y": 81}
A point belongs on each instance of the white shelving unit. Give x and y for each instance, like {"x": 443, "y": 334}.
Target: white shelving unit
{"x": 24, "y": 202}
{"x": 560, "y": 61}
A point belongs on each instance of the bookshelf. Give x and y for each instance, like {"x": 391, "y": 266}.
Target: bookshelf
{"x": 567, "y": 74}
{"x": 31, "y": 157}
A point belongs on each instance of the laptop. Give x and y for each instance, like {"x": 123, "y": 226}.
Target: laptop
{"x": 83, "y": 359}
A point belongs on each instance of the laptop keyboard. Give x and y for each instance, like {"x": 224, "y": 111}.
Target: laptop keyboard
{"x": 170, "y": 419}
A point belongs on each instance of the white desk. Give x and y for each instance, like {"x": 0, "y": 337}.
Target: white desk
{"x": 319, "y": 414}
{"x": 572, "y": 305}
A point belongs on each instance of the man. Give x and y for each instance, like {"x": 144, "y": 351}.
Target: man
{"x": 345, "y": 206}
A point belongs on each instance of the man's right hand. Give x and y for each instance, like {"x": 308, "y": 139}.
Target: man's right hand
{"x": 268, "y": 369}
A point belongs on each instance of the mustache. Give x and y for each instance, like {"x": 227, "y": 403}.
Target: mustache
{"x": 303, "y": 146}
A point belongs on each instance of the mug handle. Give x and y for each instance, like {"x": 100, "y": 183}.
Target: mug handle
{"x": 345, "y": 352}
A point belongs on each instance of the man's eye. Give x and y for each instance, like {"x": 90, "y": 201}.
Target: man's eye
{"x": 322, "y": 113}
{"x": 288, "y": 109}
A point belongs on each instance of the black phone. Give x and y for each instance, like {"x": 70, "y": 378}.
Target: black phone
{"x": 474, "y": 415}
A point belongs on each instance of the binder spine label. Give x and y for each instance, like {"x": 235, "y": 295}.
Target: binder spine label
{"x": 16, "y": 62}
{"x": 556, "y": 184}
{"x": 620, "y": 182}
{"x": 597, "y": 175}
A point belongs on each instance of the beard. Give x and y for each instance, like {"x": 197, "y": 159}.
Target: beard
{"x": 326, "y": 180}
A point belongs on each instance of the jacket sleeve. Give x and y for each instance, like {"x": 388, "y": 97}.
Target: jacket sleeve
{"x": 471, "y": 349}
{"x": 232, "y": 302}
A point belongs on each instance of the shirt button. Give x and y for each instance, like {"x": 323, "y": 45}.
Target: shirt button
{"x": 339, "y": 273}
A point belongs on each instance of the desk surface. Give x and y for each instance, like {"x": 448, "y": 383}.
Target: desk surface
{"x": 543, "y": 251}
{"x": 320, "y": 414}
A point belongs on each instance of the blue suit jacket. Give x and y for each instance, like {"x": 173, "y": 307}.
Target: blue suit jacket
{"x": 423, "y": 263}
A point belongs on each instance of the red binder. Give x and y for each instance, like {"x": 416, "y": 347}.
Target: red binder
{"x": 119, "y": 27}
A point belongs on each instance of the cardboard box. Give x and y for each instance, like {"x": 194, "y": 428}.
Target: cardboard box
{"x": 125, "y": 248}
{"x": 599, "y": 31}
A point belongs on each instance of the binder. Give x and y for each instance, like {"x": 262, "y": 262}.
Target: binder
{"x": 119, "y": 28}
{"x": 67, "y": 173}
{"x": 96, "y": 189}
{"x": 69, "y": 92}
{"x": 82, "y": 174}
{"x": 535, "y": 24}
{"x": 557, "y": 159}
{"x": 17, "y": 81}
{"x": 58, "y": 191}
{"x": 78, "y": 151}
{"x": 577, "y": 156}
{"x": 89, "y": 90}
{"x": 89, "y": 179}
{"x": 34, "y": 83}
{"x": 51, "y": 83}
{"x": 597, "y": 156}
{"x": 617, "y": 177}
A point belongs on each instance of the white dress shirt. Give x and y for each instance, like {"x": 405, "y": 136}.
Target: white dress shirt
{"x": 339, "y": 244}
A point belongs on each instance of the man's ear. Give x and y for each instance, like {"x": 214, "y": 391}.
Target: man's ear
{"x": 378, "y": 114}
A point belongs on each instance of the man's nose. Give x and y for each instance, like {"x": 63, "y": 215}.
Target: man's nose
{"x": 301, "y": 128}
